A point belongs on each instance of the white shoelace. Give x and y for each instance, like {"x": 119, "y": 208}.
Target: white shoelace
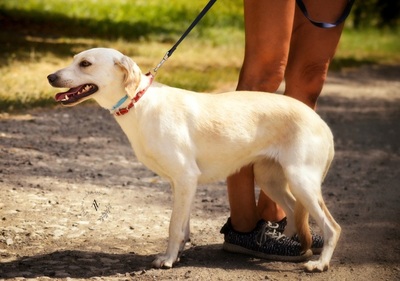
{"x": 269, "y": 230}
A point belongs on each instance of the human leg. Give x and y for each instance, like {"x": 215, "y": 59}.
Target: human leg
{"x": 268, "y": 27}
{"x": 311, "y": 50}
{"x": 268, "y": 209}
{"x": 244, "y": 216}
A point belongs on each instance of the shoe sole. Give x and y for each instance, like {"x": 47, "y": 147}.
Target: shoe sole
{"x": 240, "y": 250}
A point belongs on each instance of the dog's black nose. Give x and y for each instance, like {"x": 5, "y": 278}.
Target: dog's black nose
{"x": 52, "y": 78}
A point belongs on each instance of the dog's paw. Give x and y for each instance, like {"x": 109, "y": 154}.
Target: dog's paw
{"x": 163, "y": 261}
{"x": 316, "y": 266}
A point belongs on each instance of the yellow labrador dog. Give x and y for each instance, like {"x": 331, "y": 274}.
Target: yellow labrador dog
{"x": 191, "y": 138}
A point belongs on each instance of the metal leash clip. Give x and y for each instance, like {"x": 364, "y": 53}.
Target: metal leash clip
{"x": 164, "y": 59}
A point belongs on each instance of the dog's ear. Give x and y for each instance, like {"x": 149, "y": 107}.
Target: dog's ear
{"x": 132, "y": 74}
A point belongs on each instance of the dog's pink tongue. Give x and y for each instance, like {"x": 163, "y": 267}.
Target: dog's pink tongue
{"x": 65, "y": 95}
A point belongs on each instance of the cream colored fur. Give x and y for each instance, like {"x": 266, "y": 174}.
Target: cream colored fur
{"x": 191, "y": 138}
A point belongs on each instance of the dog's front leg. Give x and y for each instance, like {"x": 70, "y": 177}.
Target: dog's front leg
{"x": 183, "y": 192}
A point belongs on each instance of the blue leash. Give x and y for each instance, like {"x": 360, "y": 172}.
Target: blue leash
{"x": 341, "y": 19}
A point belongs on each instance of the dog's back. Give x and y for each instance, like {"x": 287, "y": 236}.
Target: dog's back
{"x": 224, "y": 132}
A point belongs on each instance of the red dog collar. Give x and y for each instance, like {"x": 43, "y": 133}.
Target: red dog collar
{"x": 125, "y": 110}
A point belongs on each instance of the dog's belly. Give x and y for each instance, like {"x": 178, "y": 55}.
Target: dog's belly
{"x": 220, "y": 168}
{"x": 217, "y": 174}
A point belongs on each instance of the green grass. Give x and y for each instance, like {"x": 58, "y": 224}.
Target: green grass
{"x": 149, "y": 19}
{"x": 368, "y": 46}
{"x": 39, "y": 36}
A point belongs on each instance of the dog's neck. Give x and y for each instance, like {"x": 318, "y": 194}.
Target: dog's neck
{"x": 145, "y": 83}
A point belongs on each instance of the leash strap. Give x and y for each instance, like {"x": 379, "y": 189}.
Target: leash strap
{"x": 341, "y": 19}
{"x": 194, "y": 23}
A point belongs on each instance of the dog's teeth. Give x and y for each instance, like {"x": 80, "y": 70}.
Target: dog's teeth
{"x": 85, "y": 89}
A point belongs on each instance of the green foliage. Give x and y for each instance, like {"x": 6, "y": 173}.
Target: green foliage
{"x": 113, "y": 19}
{"x": 376, "y": 13}
{"x": 367, "y": 46}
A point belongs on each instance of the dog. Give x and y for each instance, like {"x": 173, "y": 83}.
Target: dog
{"x": 191, "y": 138}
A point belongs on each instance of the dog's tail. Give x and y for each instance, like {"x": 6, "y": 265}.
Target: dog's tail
{"x": 331, "y": 154}
{"x": 303, "y": 229}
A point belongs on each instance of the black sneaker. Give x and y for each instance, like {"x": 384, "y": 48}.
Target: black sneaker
{"x": 317, "y": 240}
{"x": 263, "y": 242}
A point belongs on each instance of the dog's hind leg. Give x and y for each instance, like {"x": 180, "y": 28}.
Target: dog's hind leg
{"x": 305, "y": 185}
{"x": 184, "y": 190}
{"x": 271, "y": 179}
{"x": 332, "y": 232}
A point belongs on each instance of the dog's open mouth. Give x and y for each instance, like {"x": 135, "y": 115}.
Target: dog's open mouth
{"x": 75, "y": 94}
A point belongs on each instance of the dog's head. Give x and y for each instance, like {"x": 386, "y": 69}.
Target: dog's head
{"x": 103, "y": 74}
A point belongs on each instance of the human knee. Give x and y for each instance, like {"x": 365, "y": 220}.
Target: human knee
{"x": 261, "y": 76}
{"x": 314, "y": 73}
{"x": 305, "y": 83}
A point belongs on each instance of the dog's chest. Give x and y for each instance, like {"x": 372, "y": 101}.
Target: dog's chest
{"x": 140, "y": 145}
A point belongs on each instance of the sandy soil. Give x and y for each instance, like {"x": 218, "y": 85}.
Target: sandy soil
{"x": 75, "y": 203}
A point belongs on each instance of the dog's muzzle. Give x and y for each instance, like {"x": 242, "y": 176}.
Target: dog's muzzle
{"x": 73, "y": 95}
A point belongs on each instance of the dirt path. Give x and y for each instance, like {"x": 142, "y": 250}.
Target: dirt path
{"x": 75, "y": 203}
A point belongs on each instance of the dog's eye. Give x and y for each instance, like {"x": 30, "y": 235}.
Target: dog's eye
{"x": 84, "y": 63}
